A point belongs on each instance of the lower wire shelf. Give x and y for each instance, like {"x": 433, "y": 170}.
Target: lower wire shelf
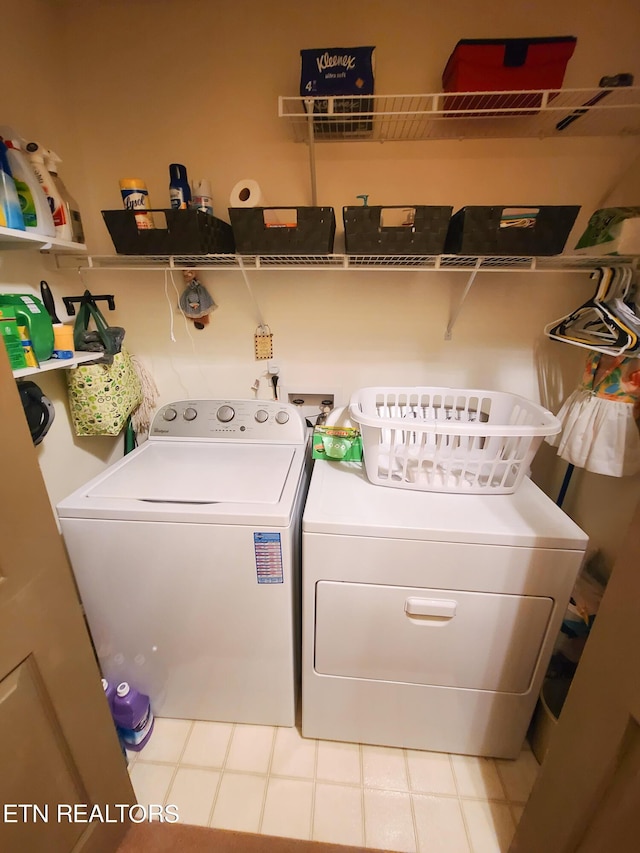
{"x": 471, "y": 264}
{"x": 434, "y": 263}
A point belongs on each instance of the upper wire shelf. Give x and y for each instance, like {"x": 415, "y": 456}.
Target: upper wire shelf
{"x": 460, "y": 115}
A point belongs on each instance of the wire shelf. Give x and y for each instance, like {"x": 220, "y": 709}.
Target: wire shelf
{"x": 460, "y": 115}
{"x": 452, "y": 263}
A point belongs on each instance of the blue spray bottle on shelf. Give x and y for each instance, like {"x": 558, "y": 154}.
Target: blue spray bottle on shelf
{"x": 10, "y": 212}
{"x": 179, "y": 189}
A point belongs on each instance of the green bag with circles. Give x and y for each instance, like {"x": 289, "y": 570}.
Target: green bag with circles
{"x": 102, "y": 396}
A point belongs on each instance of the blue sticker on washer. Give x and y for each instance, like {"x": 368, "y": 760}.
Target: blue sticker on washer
{"x": 268, "y": 553}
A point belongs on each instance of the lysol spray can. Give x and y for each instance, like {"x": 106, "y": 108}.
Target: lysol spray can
{"x": 135, "y": 196}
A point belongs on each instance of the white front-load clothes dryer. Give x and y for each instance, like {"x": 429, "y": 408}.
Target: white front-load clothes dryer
{"x": 186, "y": 554}
{"x": 429, "y": 619}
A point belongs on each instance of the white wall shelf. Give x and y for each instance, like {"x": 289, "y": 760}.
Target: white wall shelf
{"x": 557, "y": 113}
{"x": 472, "y": 265}
{"x": 381, "y": 263}
{"x": 57, "y": 364}
{"x": 464, "y": 115}
{"x": 12, "y": 239}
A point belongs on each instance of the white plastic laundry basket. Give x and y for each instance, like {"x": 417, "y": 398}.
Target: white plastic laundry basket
{"x": 449, "y": 439}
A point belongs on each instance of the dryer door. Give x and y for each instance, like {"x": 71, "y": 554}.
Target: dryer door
{"x": 448, "y": 638}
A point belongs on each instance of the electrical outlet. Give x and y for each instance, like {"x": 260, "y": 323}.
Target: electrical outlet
{"x": 311, "y": 405}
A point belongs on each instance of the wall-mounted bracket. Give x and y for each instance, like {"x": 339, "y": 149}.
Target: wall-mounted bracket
{"x": 70, "y": 300}
{"x": 308, "y": 102}
{"x": 456, "y": 310}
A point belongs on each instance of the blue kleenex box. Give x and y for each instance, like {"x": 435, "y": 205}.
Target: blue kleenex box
{"x": 339, "y": 71}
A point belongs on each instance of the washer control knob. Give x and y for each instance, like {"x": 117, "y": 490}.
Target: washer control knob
{"x": 169, "y": 414}
{"x": 225, "y": 414}
{"x": 190, "y": 414}
{"x": 282, "y": 417}
{"x": 262, "y": 416}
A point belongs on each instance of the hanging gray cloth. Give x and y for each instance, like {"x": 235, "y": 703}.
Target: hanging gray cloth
{"x": 195, "y": 301}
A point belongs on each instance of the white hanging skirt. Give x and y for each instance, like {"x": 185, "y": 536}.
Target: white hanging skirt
{"x": 598, "y": 434}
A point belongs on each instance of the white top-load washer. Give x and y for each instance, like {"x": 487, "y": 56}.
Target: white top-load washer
{"x": 429, "y": 619}
{"x": 186, "y": 555}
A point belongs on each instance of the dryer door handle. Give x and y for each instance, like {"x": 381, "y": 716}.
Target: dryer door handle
{"x": 440, "y": 608}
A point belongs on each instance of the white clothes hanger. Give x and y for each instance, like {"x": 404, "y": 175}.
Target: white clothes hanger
{"x": 602, "y": 323}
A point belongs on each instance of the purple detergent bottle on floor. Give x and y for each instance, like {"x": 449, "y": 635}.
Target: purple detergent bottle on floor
{"x": 109, "y": 691}
{"x": 133, "y": 716}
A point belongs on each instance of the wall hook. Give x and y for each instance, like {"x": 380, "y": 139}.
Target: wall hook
{"x": 70, "y": 300}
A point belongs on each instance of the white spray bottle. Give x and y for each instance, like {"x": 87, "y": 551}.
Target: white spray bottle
{"x": 10, "y": 212}
{"x": 34, "y": 204}
{"x": 72, "y": 209}
{"x": 201, "y": 197}
{"x": 60, "y": 218}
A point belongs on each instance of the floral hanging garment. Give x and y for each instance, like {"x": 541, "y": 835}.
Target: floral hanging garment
{"x": 601, "y": 418}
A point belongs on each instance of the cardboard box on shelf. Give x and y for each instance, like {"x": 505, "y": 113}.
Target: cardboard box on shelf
{"x": 611, "y": 231}
{"x": 339, "y": 71}
{"x": 504, "y": 65}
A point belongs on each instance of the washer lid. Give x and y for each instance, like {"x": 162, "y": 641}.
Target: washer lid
{"x": 184, "y": 473}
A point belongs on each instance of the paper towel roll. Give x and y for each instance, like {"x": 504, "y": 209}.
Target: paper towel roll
{"x": 246, "y": 193}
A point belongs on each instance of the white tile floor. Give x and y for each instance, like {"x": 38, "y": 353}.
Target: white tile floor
{"x": 273, "y": 781}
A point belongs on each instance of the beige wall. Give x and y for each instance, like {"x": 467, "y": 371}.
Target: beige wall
{"x": 142, "y": 84}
